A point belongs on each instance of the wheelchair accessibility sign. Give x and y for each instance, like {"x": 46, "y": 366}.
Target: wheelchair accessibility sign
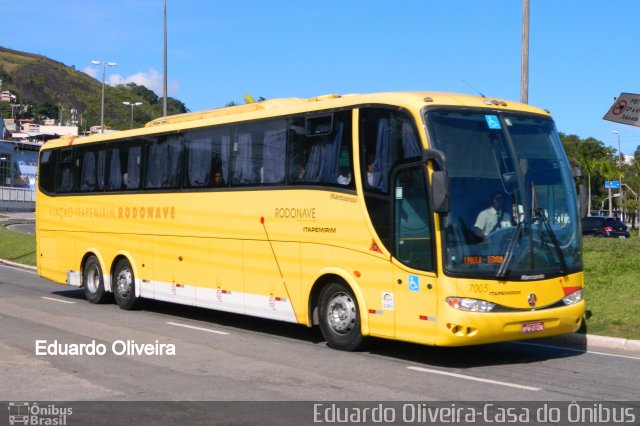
{"x": 414, "y": 283}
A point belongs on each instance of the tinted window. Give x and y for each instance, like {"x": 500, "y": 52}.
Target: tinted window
{"x": 258, "y": 153}
{"x": 64, "y": 181}
{"x": 322, "y": 155}
{"x": 207, "y": 152}
{"x": 124, "y": 166}
{"x": 387, "y": 137}
{"x": 163, "y": 162}
{"x": 91, "y": 168}
{"x": 413, "y": 244}
{"x": 47, "y": 173}
{"x": 310, "y": 150}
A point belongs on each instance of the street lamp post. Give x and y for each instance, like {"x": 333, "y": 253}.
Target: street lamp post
{"x": 104, "y": 68}
{"x": 620, "y": 160}
{"x": 132, "y": 105}
{"x": 164, "y": 74}
{"x": 524, "y": 67}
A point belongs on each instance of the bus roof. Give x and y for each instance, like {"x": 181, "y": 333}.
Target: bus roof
{"x": 284, "y": 106}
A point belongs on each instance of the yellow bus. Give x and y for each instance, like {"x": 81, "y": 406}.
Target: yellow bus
{"x": 435, "y": 218}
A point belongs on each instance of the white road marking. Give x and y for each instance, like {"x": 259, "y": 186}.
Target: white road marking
{"x": 208, "y": 330}
{"x": 57, "y": 300}
{"x": 475, "y": 379}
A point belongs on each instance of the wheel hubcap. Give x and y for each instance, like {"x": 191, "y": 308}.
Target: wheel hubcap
{"x": 93, "y": 279}
{"x": 342, "y": 313}
{"x": 123, "y": 282}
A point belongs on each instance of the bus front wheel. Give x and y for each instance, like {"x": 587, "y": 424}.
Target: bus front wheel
{"x": 340, "y": 318}
{"x": 123, "y": 284}
{"x": 93, "y": 282}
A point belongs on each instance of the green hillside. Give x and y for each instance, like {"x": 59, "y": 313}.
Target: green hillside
{"x": 52, "y": 89}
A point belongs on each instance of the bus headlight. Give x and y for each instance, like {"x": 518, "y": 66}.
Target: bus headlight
{"x": 471, "y": 305}
{"x": 573, "y": 298}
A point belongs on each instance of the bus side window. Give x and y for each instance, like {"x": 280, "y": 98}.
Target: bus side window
{"x": 321, "y": 159}
{"x": 297, "y": 151}
{"x": 65, "y": 172}
{"x": 132, "y": 180}
{"x": 91, "y": 172}
{"x": 412, "y": 228}
{"x": 387, "y": 137}
{"x": 199, "y": 166}
{"x": 273, "y": 155}
{"x": 47, "y": 179}
{"x": 163, "y": 163}
{"x": 124, "y": 166}
{"x": 114, "y": 177}
{"x": 242, "y": 171}
{"x": 207, "y": 151}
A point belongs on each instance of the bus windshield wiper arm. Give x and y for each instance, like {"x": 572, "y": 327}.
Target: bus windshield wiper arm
{"x": 539, "y": 215}
{"x": 508, "y": 257}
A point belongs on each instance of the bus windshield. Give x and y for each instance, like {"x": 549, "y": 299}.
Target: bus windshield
{"x": 513, "y": 212}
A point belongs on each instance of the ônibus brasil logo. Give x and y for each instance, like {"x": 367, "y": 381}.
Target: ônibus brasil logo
{"x": 25, "y": 413}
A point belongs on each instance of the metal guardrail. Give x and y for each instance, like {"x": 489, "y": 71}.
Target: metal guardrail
{"x": 17, "y": 199}
{"x": 17, "y": 194}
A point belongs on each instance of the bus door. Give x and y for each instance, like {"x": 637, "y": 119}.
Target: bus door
{"x": 413, "y": 257}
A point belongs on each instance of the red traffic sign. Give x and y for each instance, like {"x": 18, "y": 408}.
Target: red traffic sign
{"x": 625, "y": 110}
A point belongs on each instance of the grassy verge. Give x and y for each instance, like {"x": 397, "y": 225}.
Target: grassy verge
{"x": 17, "y": 247}
{"x": 612, "y": 280}
{"x": 612, "y": 286}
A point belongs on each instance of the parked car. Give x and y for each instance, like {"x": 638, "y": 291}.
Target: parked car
{"x": 603, "y": 226}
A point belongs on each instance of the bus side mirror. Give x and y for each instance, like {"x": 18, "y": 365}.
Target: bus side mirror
{"x": 439, "y": 180}
{"x": 440, "y": 191}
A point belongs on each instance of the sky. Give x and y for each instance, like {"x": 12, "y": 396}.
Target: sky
{"x": 582, "y": 52}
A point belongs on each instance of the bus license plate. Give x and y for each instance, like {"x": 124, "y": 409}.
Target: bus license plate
{"x": 532, "y": 327}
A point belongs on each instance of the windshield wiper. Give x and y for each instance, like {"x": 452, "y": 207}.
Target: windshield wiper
{"x": 541, "y": 217}
{"x": 508, "y": 256}
{"x": 538, "y": 214}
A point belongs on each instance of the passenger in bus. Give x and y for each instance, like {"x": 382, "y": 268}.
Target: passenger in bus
{"x": 371, "y": 174}
{"x": 218, "y": 179}
{"x": 344, "y": 178}
{"x": 492, "y": 218}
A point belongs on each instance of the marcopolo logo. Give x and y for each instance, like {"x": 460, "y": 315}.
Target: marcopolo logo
{"x": 24, "y": 413}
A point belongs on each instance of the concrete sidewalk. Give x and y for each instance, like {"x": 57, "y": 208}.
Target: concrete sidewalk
{"x": 17, "y": 216}
{"x": 573, "y": 341}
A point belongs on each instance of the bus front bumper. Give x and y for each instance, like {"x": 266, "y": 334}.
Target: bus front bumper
{"x": 461, "y": 328}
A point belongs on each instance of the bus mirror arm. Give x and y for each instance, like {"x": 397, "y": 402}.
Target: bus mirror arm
{"x": 436, "y": 156}
{"x": 439, "y": 180}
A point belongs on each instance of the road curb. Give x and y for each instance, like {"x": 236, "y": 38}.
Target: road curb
{"x": 627, "y": 345}
{"x": 591, "y": 342}
{"x": 18, "y": 265}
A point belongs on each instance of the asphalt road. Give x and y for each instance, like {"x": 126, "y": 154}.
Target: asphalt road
{"x": 227, "y": 357}
{"x": 27, "y": 228}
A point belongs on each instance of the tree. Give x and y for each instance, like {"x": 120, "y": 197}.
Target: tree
{"x": 589, "y": 166}
{"x": 148, "y": 95}
{"x": 46, "y": 110}
{"x": 609, "y": 171}
{"x": 588, "y": 153}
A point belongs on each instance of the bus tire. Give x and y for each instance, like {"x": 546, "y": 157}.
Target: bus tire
{"x": 124, "y": 285}
{"x": 339, "y": 317}
{"x": 93, "y": 282}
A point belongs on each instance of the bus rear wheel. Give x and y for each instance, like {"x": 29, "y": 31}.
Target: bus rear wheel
{"x": 93, "y": 282}
{"x": 124, "y": 287}
{"x": 340, "y": 318}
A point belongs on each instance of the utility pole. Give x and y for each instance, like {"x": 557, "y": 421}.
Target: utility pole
{"x": 524, "y": 68}
{"x": 164, "y": 79}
